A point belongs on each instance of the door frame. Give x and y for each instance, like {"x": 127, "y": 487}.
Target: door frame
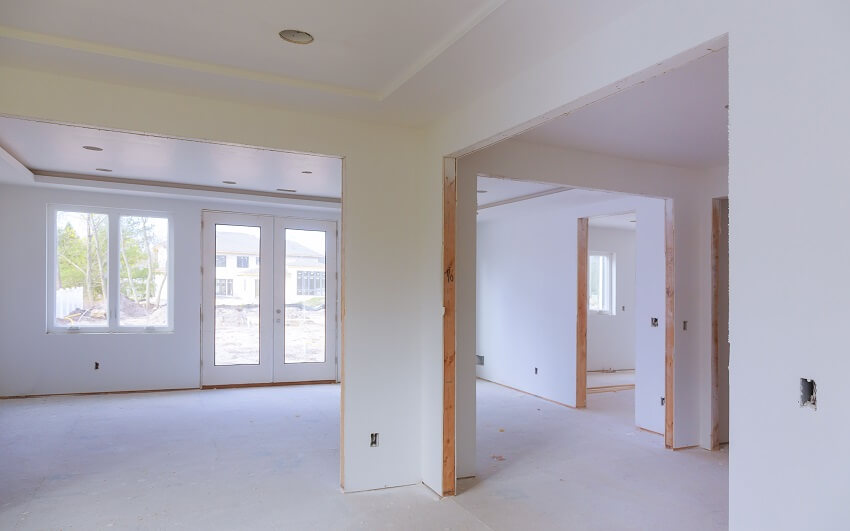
{"x": 669, "y": 323}
{"x": 716, "y": 234}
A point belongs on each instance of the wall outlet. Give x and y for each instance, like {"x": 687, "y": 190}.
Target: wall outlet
{"x": 373, "y": 442}
{"x": 96, "y": 365}
{"x": 663, "y": 400}
{"x": 535, "y": 370}
{"x": 684, "y": 325}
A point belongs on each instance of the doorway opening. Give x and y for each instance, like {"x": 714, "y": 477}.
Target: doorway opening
{"x": 611, "y": 286}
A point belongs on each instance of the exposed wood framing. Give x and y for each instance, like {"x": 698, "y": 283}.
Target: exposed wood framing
{"x": 449, "y": 323}
{"x": 716, "y": 234}
{"x": 670, "y": 324}
{"x": 581, "y": 313}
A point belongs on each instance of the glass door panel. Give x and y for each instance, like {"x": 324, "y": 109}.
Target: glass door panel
{"x": 304, "y": 293}
{"x": 236, "y": 315}
{"x": 237, "y": 303}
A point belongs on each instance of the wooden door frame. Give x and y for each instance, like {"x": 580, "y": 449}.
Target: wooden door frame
{"x": 582, "y": 230}
{"x": 670, "y": 328}
{"x": 716, "y": 234}
{"x": 449, "y": 323}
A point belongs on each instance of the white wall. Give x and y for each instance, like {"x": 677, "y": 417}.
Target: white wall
{"x": 526, "y": 291}
{"x": 611, "y": 338}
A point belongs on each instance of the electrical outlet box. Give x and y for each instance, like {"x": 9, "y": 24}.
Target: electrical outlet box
{"x": 654, "y": 322}
{"x": 373, "y": 442}
{"x": 808, "y": 393}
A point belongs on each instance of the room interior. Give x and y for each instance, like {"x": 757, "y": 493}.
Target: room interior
{"x": 371, "y": 124}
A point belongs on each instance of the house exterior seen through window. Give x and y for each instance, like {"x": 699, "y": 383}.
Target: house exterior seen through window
{"x": 242, "y": 262}
{"x": 221, "y": 260}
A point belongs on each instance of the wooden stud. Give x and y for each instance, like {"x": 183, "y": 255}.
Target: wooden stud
{"x": 581, "y": 313}
{"x": 449, "y": 323}
{"x": 670, "y": 323}
{"x": 716, "y": 233}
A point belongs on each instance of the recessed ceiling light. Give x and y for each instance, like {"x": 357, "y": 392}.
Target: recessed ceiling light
{"x": 288, "y": 190}
{"x": 482, "y": 191}
{"x": 307, "y": 172}
{"x": 93, "y": 148}
{"x": 296, "y": 36}
{"x": 103, "y": 169}
{"x": 229, "y": 182}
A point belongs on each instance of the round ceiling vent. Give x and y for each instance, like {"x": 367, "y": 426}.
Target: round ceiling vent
{"x": 296, "y": 36}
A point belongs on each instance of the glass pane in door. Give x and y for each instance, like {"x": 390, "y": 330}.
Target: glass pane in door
{"x": 237, "y": 295}
{"x": 304, "y": 297}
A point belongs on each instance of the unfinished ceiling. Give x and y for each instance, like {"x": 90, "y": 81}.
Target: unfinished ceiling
{"x": 48, "y": 148}
{"x": 385, "y": 59}
{"x": 677, "y": 118}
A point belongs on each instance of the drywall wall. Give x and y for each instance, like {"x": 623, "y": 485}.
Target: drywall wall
{"x": 382, "y": 326}
{"x": 611, "y": 337}
{"x": 33, "y": 362}
{"x": 526, "y": 291}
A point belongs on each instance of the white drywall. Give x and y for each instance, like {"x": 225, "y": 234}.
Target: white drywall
{"x": 611, "y": 337}
{"x": 382, "y": 326}
{"x": 526, "y": 291}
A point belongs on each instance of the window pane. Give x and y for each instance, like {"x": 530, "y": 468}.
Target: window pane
{"x": 82, "y": 270}
{"x": 237, "y": 305}
{"x": 594, "y": 292}
{"x": 305, "y": 296}
{"x": 143, "y": 271}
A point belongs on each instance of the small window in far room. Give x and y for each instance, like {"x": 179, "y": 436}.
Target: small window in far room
{"x": 221, "y": 260}
{"x": 242, "y": 262}
{"x": 601, "y": 286}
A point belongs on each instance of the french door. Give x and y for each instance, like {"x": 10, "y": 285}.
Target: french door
{"x": 269, "y": 299}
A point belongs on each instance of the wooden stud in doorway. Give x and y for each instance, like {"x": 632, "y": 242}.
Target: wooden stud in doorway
{"x": 670, "y": 323}
{"x": 581, "y": 313}
{"x": 449, "y": 323}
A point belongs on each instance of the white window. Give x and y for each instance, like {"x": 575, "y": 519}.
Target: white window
{"x": 108, "y": 270}
{"x": 601, "y": 283}
{"x": 242, "y": 262}
{"x": 221, "y": 260}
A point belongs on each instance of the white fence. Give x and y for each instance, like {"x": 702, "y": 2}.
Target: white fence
{"x": 68, "y": 300}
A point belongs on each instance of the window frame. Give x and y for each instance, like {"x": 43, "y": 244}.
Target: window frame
{"x": 113, "y": 271}
{"x": 609, "y": 288}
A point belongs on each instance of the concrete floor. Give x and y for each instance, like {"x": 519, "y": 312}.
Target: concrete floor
{"x": 268, "y": 458}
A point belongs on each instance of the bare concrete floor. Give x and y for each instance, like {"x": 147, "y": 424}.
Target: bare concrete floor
{"x": 268, "y": 458}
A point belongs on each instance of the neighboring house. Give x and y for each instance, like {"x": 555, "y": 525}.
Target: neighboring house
{"x": 237, "y": 268}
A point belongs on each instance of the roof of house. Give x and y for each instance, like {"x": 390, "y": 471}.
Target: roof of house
{"x": 241, "y": 243}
